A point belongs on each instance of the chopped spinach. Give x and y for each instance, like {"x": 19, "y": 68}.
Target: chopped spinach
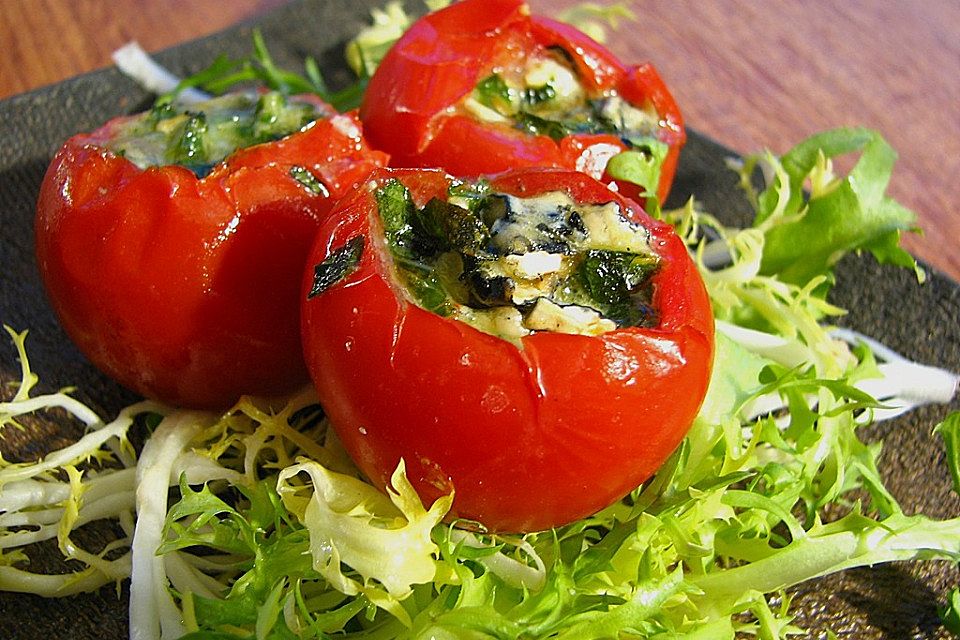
{"x": 614, "y": 279}
{"x": 208, "y": 132}
{"x": 396, "y": 208}
{"x": 533, "y": 110}
{"x": 276, "y": 117}
{"x": 428, "y": 290}
{"x": 308, "y": 181}
{"x": 189, "y": 148}
{"x": 441, "y": 226}
{"x": 161, "y": 111}
{"x": 493, "y": 92}
{"x": 337, "y": 266}
{"x": 537, "y": 126}
{"x": 610, "y": 276}
{"x": 470, "y": 194}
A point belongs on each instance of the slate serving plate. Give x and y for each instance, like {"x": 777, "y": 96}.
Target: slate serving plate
{"x": 890, "y": 602}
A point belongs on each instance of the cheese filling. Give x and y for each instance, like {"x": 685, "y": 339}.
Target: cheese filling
{"x": 206, "y": 133}
{"x": 544, "y": 96}
{"x": 512, "y": 266}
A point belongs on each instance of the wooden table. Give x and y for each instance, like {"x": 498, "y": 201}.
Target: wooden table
{"x": 753, "y": 75}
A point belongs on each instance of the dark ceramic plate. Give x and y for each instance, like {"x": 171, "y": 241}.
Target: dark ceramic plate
{"x": 893, "y": 601}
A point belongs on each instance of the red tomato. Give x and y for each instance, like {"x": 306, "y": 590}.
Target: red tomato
{"x": 414, "y": 105}
{"x": 529, "y": 436}
{"x": 184, "y": 289}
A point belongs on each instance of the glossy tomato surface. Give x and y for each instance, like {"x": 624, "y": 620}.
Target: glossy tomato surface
{"x": 411, "y": 107}
{"x": 186, "y": 289}
{"x": 529, "y": 436}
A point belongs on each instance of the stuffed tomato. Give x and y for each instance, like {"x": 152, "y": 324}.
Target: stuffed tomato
{"x": 172, "y": 243}
{"x": 482, "y": 86}
{"x": 534, "y": 343}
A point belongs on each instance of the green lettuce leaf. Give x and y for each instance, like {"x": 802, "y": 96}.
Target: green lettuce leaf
{"x": 383, "y": 538}
{"x": 811, "y": 218}
{"x": 949, "y": 430}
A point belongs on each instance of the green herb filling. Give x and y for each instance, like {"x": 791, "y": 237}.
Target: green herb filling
{"x": 547, "y": 98}
{"x": 511, "y": 266}
{"x": 203, "y": 134}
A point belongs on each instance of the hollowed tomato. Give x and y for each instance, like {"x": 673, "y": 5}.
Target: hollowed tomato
{"x": 530, "y": 431}
{"x": 183, "y": 283}
{"x": 483, "y": 86}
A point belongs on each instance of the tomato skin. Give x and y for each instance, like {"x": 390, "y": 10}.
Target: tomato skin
{"x": 529, "y": 437}
{"x": 408, "y": 106}
{"x": 182, "y": 289}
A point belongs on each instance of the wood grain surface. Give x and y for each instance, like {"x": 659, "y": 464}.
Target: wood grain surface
{"x": 752, "y": 75}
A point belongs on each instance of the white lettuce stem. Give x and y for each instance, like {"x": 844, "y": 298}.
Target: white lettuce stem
{"x": 789, "y": 353}
{"x": 89, "y": 445}
{"x": 32, "y": 493}
{"x": 903, "y": 385}
{"x": 512, "y": 571}
{"x": 153, "y": 613}
{"x": 73, "y": 406}
{"x": 52, "y": 585}
{"x": 70, "y": 455}
{"x": 839, "y": 547}
{"x": 132, "y": 60}
{"x": 48, "y": 523}
{"x": 186, "y": 578}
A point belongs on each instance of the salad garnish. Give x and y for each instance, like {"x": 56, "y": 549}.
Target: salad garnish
{"x": 710, "y": 545}
{"x": 254, "y": 522}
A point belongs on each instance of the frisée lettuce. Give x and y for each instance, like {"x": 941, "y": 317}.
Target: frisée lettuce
{"x": 254, "y": 523}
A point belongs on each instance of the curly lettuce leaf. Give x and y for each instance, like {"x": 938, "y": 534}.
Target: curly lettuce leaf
{"x": 594, "y": 19}
{"x": 275, "y": 535}
{"x": 950, "y": 613}
{"x": 384, "y": 538}
{"x": 642, "y": 168}
{"x": 367, "y": 49}
{"x": 949, "y": 430}
{"x": 811, "y": 218}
